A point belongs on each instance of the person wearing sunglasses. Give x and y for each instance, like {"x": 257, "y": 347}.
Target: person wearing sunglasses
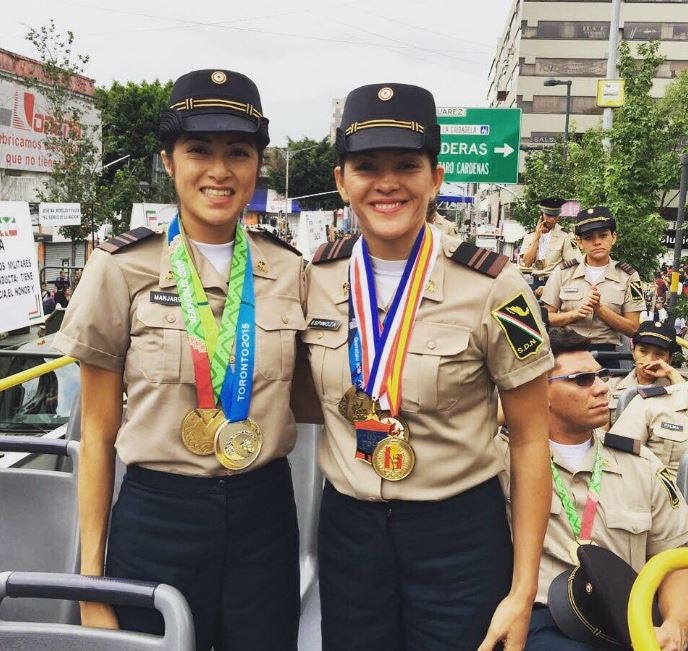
{"x": 608, "y": 489}
{"x": 653, "y": 345}
{"x": 599, "y": 298}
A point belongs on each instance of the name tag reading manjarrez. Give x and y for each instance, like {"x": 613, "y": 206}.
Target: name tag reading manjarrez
{"x": 165, "y": 298}
{"x": 324, "y": 324}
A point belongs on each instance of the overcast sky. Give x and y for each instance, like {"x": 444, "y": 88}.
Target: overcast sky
{"x": 301, "y": 53}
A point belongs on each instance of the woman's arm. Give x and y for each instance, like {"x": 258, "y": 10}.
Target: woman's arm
{"x": 673, "y": 634}
{"x": 101, "y": 416}
{"x": 626, "y": 323}
{"x": 560, "y": 319}
{"x": 525, "y": 409}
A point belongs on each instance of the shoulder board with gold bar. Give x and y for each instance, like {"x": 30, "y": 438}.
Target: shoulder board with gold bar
{"x": 624, "y": 266}
{"x": 121, "y": 241}
{"x": 569, "y": 263}
{"x": 479, "y": 259}
{"x": 623, "y": 443}
{"x": 340, "y": 248}
{"x": 651, "y": 392}
{"x": 264, "y": 232}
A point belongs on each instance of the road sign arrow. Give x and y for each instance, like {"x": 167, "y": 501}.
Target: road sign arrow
{"x": 505, "y": 150}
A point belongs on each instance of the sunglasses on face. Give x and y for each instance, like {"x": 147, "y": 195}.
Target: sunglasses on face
{"x": 585, "y": 379}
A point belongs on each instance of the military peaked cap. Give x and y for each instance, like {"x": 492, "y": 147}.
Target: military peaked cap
{"x": 594, "y": 218}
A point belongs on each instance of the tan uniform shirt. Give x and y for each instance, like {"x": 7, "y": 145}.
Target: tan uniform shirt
{"x": 457, "y": 354}
{"x": 560, "y": 248}
{"x": 114, "y": 322}
{"x": 568, "y": 288}
{"x": 617, "y": 385}
{"x": 660, "y": 422}
{"x": 640, "y": 513}
{"x": 445, "y": 226}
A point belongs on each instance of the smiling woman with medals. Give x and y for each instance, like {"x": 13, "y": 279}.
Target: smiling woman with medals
{"x": 408, "y": 334}
{"x": 200, "y": 333}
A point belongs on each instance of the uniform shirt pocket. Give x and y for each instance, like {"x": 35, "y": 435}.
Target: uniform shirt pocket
{"x": 278, "y": 319}
{"x": 615, "y": 298}
{"x": 629, "y": 531}
{"x": 669, "y": 440}
{"x": 438, "y": 368}
{"x": 160, "y": 345}
{"x": 570, "y": 298}
{"x": 328, "y": 352}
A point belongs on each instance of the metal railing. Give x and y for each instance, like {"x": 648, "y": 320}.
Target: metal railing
{"x": 31, "y": 373}
{"x": 640, "y": 602}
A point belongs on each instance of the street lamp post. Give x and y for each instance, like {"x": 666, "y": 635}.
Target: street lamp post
{"x": 286, "y": 173}
{"x": 567, "y": 83}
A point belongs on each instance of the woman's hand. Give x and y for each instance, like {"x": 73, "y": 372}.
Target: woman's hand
{"x": 671, "y": 637}
{"x": 97, "y": 615}
{"x": 509, "y": 625}
{"x": 661, "y": 369}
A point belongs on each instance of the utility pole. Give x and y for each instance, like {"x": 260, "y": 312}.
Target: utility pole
{"x": 612, "y": 71}
{"x": 678, "y": 242}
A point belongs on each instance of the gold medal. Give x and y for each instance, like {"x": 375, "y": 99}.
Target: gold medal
{"x": 393, "y": 458}
{"x": 399, "y": 425}
{"x": 198, "y": 430}
{"x": 356, "y": 404}
{"x": 238, "y": 444}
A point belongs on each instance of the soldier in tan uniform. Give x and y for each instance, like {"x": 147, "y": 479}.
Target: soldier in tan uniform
{"x": 640, "y": 511}
{"x": 653, "y": 345}
{"x": 598, "y": 298}
{"x": 658, "y": 418}
{"x": 207, "y": 503}
{"x": 545, "y": 248}
{"x": 414, "y": 550}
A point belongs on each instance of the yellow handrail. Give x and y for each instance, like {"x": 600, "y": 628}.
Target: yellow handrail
{"x": 682, "y": 342}
{"x": 34, "y": 372}
{"x": 640, "y": 602}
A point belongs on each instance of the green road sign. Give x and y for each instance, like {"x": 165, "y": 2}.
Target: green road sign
{"x": 480, "y": 145}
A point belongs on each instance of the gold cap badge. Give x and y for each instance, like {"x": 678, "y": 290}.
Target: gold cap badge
{"x": 262, "y": 265}
{"x": 590, "y": 211}
{"x": 385, "y": 93}
{"x": 218, "y": 77}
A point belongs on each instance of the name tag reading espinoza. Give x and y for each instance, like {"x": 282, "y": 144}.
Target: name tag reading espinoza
{"x": 324, "y": 324}
{"x": 165, "y": 298}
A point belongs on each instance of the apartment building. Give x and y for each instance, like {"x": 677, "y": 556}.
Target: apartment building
{"x": 569, "y": 40}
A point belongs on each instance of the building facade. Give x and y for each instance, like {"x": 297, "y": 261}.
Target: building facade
{"x": 569, "y": 40}
{"x": 24, "y": 162}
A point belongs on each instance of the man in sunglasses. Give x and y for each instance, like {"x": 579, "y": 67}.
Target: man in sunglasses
{"x": 608, "y": 490}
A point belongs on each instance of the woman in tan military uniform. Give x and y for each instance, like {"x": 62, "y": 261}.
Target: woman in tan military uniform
{"x": 653, "y": 345}
{"x": 408, "y": 334}
{"x": 599, "y": 298}
{"x": 197, "y": 326}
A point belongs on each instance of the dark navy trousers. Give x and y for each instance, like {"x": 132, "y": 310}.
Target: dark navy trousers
{"x": 412, "y": 576}
{"x": 230, "y": 545}
{"x": 543, "y": 634}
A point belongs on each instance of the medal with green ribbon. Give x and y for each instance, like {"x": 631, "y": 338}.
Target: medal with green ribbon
{"x": 217, "y": 380}
{"x": 581, "y": 528}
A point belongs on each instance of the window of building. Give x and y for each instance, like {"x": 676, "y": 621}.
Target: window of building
{"x": 592, "y": 30}
{"x": 656, "y": 31}
{"x": 557, "y": 104}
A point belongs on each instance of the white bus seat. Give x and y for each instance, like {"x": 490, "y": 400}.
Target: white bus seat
{"x": 39, "y": 529}
{"x": 32, "y": 636}
{"x": 682, "y": 476}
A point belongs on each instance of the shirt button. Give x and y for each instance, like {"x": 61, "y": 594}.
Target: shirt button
{"x": 320, "y": 335}
{"x": 171, "y": 318}
{"x": 432, "y": 345}
{"x": 285, "y": 318}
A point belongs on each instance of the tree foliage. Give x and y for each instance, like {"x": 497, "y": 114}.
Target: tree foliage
{"x": 633, "y": 173}
{"x": 311, "y": 165}
{"x": 70, "y": 142}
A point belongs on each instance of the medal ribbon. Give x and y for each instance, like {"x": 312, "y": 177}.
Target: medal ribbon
{"x": 581, "y": 530}
{"x": 377, "y": 352}
{"x": 211, "y": 347}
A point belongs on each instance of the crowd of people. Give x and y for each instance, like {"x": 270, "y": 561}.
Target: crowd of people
{"x": 59, "y": 295}
{"x": 435, "y": 532}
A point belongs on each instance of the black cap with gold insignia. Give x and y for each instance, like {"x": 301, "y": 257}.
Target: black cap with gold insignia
{"x": 214, "y": 100}
{"x": 389, "y": 116}
{"x": 589, "y": 603}
{"x": 594, "y": 218}
{"x": 551, "y": 206}
{"x": 657, "y": 333}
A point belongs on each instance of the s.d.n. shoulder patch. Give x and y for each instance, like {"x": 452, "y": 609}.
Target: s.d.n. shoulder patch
{"x": 520, "y": 326}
